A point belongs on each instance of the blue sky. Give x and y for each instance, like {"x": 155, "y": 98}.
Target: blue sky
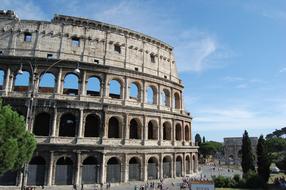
{"x": 231, "y": 55}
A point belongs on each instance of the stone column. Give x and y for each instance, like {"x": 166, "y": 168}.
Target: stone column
{"x": 126, "y": 127}
{"x": 160, "y": 126}
{"x": 184, "y": 165}
{"x": 59, "y": 82}
{"x": 125, "y": 88}
{"x": 80, "y": 125}
{"x": 173, "y": 129}
{"x": 145, "y": 168}
{"x": 160, "y": 165}
{"x": 159, "y": 96}
{"x": 83, "y": 84}
{"x": 145, "y": 129}
{"x": 54, "y": 125}
{"x": 11, "y": 84}
{"x": 7, "y": 81}
{"x": 172, "y": 108}
{"x": 174, "y": 165}
{"x": 78, "y": 169}
{"x": 51, "y": 170}
{"x": 143, "y": 94}
{"x": 103, "y": 170}
{"x": 125, "y": 169}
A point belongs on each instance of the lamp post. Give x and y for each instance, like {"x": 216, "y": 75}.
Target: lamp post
{"x": 31, "y": 102}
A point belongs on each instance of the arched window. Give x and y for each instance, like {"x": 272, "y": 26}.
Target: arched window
{"x": 71, "y": 84}
{"x": 165, "y": 98}
{"x": 135, "y": 130}
{"x": 113, "y": 170}
{"x": 179, "y": 166}
{"x": 2, "y": 74}
{"x": 188, "y": 164}
{"x": 36, "y": 171}
{"x": 134, "y": 91}
{"x": 176, "y": 104}
{"x": 90, "y": 171}
{"x": 167, "y": 167}
{"x": 152, "y": 130}
{"x": 47, "y": 83}
{"x": 178, "y": 132}
{"x": 22, "y": 82}
{"x": 64, "y": 171}
{"x": 93, "y": 86}
{"x": 152, "y": 168}
{"x": 151, "y": 98}
{"x": 167, "y": 132}
{"x": 187, "y": 133}
{"x": 114, "y": 89}
{"x": 92, "y": 126}
{"x": 67, "y": 125}
{"x": 134, "y": 169}
{"x": 194, "y": 164}
{"x": 42, "y": 124}
{"x": 113, "y": 128}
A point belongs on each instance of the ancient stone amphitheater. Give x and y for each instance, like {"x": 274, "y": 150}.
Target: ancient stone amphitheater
{"x": 105, "y": 103}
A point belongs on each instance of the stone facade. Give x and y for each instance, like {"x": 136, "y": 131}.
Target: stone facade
{"x": 121, "y": 118}
{"x": 232, "y": 147}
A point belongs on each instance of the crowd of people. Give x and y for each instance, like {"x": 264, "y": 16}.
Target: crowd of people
{"x": 280, "y": 181}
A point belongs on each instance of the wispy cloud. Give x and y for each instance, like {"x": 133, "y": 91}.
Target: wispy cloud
{"x": 282, "y": 70}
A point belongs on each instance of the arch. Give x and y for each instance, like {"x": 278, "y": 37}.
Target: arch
{"x": 67, "y": 125}
{"x": 113, "y": 128}
{"x": 113, "y": 170}
{"x": 195, "y": 164}
{"x": 167, "y": 167}
{"x": 47, "y": 83}
{"x": 22, "y": 82}
{"x": 152, "y": 168}
{"x": 178, "y": 132}
{"x": 42, "y": 124}
{"x": 165, "y": 98}
{"x": 187, "y": 133}
{"x": 167, "y": 131}
{"x": 2, "y": 79}
{"x": 90, "y": 170}
{"x": 36, "y": 171}
{"x": 92, "y": 126}
{"x": 134, "y": 129}
{"x": 179, "y": 165}
{"x": 115, "y": 89}
{"x": 134, "y": 91}
{"x": 93, "y": 86}
{"x": 134, "y": 169}
{"x": 176, "y": 103}
{"x": 152, "y": 130}
{"x": 64, "y": 171}
{"x": 71, "y": 84}
{"x": 188, "y": 164}
{"x": 150, "y": 95}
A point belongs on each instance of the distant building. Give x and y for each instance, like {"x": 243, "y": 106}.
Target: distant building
{"x": 232, "y": 147}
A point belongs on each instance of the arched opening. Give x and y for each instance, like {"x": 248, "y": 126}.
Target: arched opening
{"x": 64, "y": 171}
{"x": 152, "y": 168}
{"x": 114, "y": 89}
{"x": 36, "y": 171}
{"x": 188, "y": 164}
{"x": 134, "y": 169}
{"x": 134, "y": 130}
{"x": 167, "y": 132}
{"x": 113, "y": 128}
{"x": 187, "y": 133}
{"x": 134, "y": 91}
{"x": 71, "y": 84}
{"x": 176, "y": 101}
{"x": 47, "y": 83}
{"x": 93, "y": 86}
{"x": 2, "y": 75}
{"x": 167, "y": 167}
{"x": 113, "y": 170}
{"x": 179, "y": 166}
{"x": 42, "y": 124}
{"x": 151, "y": 98}
{"x": 92, "y": 126}
{"x": 90, "y": 170}
{"x": 194, "y": 164}
{"x": 178, "y": 132}
{"x": 67, "y": 125}
{"x": 165, "y": 98}
{"x": 152, "y": 130}
{"x": 9, "y": 178}
{"x": 22, "y": 82}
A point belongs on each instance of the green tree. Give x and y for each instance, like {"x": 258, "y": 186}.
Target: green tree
{"x": 247, "y": 157}
{"x": 16, "y": 144}
{"x": 204, "y": 139}
{"x": 210, "y": 148}
{"x": 263, "y": 161}
{"x": 198, "y": 139}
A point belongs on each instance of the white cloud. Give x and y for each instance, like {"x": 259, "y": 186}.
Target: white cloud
{"x": 282, "y": 70}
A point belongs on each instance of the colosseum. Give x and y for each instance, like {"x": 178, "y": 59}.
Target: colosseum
{"x": 104, "y": 102}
